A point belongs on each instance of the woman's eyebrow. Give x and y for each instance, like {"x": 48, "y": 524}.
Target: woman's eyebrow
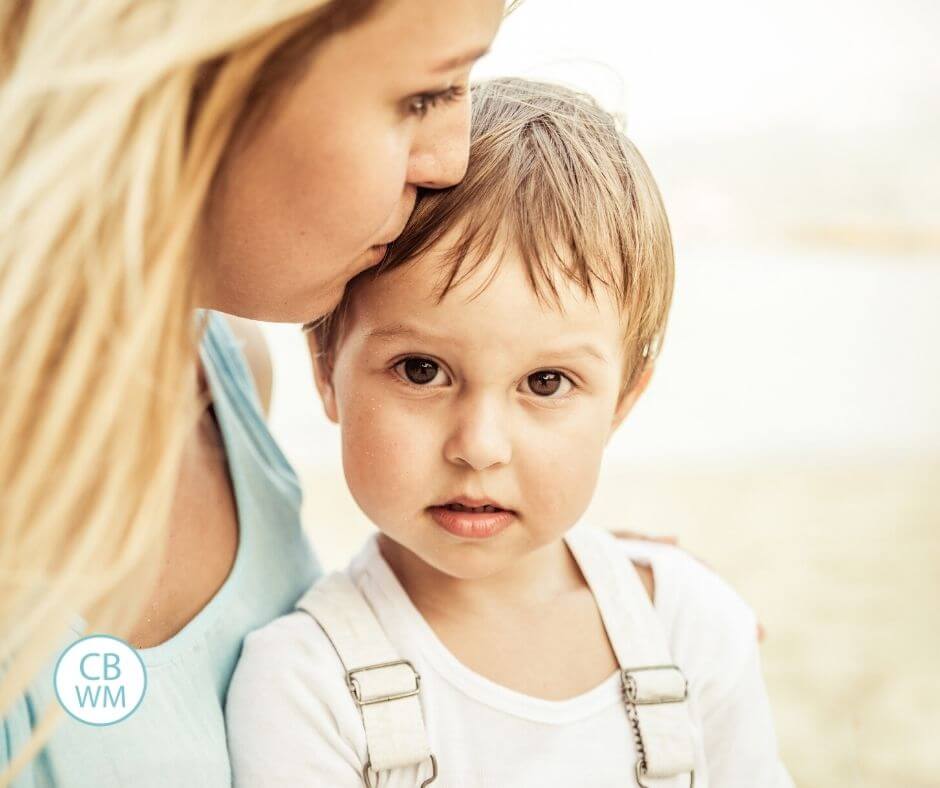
{"x": 460, "y": 60}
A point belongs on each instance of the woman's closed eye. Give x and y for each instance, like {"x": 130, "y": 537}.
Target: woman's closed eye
{"x": 421, "y": 371}
{"x": 421, "y": 103}
{"x": 548, "y": 384}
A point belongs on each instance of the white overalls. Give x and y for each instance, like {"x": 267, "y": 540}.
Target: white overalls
{"x": 387, "y": 689}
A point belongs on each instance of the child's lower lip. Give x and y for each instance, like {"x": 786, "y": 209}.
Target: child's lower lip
{"x": 471, "y": 525}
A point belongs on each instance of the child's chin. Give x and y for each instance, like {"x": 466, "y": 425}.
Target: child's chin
{"x": 461, "y": 560}
{"x": 462, "y": 566}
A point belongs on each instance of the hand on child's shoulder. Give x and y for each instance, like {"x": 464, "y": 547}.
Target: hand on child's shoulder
{"x": 679, "y": 584}
{"x": 646, "y": 576}
{"x": 710, "y": 628}
{"x": 635, "y": 536}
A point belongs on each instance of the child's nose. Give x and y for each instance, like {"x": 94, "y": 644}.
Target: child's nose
{"x": 480, "y": 436}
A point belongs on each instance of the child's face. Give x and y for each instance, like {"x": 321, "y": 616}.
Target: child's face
{"x": 494, "y": 399}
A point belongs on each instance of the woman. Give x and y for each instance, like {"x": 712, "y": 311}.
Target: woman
{"x": 157, "y": 158}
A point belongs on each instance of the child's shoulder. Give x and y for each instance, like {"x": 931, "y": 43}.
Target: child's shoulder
{"x": 288, "y": 695}
{"x": 297, "y": 644}
{"x": 293, "y": 652}
{"x": 295, "y": 640}
{"x": 710, "y": 629}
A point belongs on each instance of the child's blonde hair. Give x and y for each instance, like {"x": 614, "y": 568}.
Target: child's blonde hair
{"x": 551, "y": 173}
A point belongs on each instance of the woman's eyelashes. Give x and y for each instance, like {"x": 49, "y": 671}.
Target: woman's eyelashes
{"x": 426, "y": 373}
{"x": 421, "y": 103}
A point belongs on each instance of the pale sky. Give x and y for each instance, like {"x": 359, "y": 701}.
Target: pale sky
{"x": 690, "y": 67}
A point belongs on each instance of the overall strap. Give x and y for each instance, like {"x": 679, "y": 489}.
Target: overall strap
{"x": 655, "y": 690}
{"x": 384, "y": 687}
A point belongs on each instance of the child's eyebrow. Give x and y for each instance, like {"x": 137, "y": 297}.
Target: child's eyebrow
{"x": 401, "y": 331}
{"x": 586, "y": 349}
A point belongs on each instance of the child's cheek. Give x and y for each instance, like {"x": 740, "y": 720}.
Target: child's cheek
{"x": 387, "y": 458}
{"x": 560, "y": 468}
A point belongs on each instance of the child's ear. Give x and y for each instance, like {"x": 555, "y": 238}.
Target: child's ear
{"x": 628, "y": 399}
{"x": 323, "y": 377}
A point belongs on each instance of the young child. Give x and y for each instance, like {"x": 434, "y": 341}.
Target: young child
{"x": 485, "y": 636}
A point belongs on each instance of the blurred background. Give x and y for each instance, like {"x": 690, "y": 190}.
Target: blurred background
{"x": 791, "y": 434}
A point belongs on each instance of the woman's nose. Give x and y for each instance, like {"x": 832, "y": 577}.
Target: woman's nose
{"x": 480, "y": 437}
{"x": 441, "y": 148}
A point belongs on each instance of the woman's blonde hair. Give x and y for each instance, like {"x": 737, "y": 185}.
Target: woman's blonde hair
{"x": 552, "y": 174}
{"x": 116, "y": 115}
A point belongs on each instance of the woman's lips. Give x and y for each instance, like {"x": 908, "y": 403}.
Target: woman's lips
{"x": 471, "y": 525}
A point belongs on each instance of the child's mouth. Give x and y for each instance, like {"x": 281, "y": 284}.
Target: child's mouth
{"x": 471, "y": 522}
{"x": 459, "y": 507}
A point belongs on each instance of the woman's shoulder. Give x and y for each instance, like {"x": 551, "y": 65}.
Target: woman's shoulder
{"x": 236, "y": 348}
{"x": 233, "y": 361}
{"x": 254, "y": 348}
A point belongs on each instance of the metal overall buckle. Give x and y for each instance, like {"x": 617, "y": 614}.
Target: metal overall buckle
{"x": 632, "y": 700}
{"x": 367, "y": 769}
{"x": 355, "y": 690}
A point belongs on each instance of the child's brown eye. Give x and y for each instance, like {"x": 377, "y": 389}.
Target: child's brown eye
{"x": 418, "y": 370}
{"x": 547, "y": 383}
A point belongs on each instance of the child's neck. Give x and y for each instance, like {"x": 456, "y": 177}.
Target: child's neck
{"x": 527, "y": 584}
{"x": 533, "y": 626}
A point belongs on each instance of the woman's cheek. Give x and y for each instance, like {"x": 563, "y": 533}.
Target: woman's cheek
{"x": 378, "y": 177}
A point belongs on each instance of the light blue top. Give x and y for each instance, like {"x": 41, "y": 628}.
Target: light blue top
{"x": 177, "y": 735}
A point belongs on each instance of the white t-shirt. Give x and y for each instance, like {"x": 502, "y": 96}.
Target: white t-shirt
{"x": 291, "y": 719}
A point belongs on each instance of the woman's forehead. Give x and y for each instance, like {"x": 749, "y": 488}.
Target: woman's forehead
{"x": 423, "y": 37}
